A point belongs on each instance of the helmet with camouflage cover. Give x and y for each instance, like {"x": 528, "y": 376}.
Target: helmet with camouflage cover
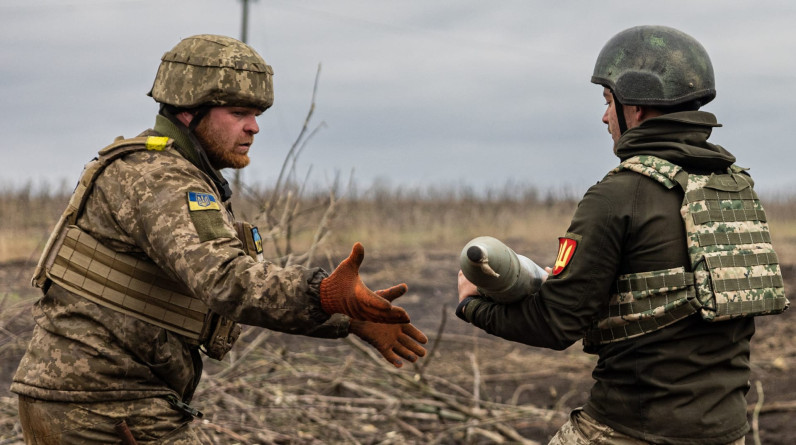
{"x": 213, "y": 70}
{"x": 655, "y": 66}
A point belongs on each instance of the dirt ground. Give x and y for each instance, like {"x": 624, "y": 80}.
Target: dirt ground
{"x": 507, "y": 373}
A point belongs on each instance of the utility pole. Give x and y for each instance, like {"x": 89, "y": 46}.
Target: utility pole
{"x": 244, "y": 35}
{"x": 244, "y": 27}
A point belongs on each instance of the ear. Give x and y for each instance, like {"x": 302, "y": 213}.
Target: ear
{"x": 639, "y": 113}
{"x": 184, "y": 117}
{"x": 636, "y": 114}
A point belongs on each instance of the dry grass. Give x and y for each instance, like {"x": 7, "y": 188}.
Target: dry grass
{"x": 471, "y": 388}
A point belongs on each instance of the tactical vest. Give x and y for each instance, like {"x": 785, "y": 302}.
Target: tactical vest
{"x": 76, "y": 261}
{"x": 734, "y": 270}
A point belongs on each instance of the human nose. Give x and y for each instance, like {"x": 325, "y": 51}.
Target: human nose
{"x": 251, "y": 125}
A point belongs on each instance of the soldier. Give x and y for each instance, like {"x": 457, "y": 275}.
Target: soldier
{"x": 147, "y": 267}
{"x": 664, "y": 264}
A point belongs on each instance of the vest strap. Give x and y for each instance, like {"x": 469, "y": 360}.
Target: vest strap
{"x": 733, "y": 238}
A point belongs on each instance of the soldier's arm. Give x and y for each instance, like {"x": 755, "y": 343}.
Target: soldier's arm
{"x": 167, "y": 210}
{"x": 569, "y": 300}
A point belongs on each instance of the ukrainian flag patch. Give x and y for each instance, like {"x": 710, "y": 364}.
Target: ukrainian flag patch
{"x": 198, "y": 201}
{"x": 258, "y": 240}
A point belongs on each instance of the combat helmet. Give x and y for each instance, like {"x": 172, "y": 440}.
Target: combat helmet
{"x": 212, "y": 70}
{"x": 655, "y": 66}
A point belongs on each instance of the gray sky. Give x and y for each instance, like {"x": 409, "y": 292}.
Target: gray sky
{"x": 412, "y": 93}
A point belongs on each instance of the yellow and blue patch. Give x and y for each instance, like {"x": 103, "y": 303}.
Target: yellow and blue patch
{"x": 198, "y": 201}
{"x": 258, "y": 240}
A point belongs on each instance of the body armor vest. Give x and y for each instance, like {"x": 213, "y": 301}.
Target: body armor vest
{"x": 76, "y": 261}
{"x": 734, "y": 271}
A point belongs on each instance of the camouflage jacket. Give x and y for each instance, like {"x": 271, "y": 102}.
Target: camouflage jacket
{"x": 81, "y": 351}
{"x": 682, "y": 384}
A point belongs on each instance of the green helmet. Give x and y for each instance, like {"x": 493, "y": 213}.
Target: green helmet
{"x": 655, "y": 66}
{"x": 213, "y": 70}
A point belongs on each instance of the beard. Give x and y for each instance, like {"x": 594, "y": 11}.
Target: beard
{"x": 220, "y": 149}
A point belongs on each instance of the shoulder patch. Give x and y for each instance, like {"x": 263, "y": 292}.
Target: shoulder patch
{"x": 566, "y": 250}
{"x": 198, "y": 201}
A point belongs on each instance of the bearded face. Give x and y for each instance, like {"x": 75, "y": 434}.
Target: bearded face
{"x": 227, "y": 133}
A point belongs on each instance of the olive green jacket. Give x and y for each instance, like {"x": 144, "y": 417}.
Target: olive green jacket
{"x": 682, "y": 383}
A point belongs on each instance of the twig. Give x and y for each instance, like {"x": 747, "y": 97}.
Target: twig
{"x": 261, "y": 337}
{"x": 515, "y": 397}
{"x": 225, "y": 431}
{"x": 435, "y": 342}
{"x": 291, "y": 153}
{"x": 756, "y": 413}
{"x": 775, "y": 407}
{"x": 322, "y": 229}
{"x": 476, "y": 382}
{"x": 340, "y": 429}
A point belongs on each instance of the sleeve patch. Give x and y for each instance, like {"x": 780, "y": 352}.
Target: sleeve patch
{"x": 566, "y": 250}
{"x": 208, "y": 225}
{"x": 202, "y": 201}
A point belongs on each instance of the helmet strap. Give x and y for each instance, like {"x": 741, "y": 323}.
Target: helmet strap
{"x": 198, "y": 115}
{"x": 620, "y": 114}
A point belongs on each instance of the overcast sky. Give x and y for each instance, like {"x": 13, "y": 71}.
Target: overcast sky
{"x": 412, "y": 92}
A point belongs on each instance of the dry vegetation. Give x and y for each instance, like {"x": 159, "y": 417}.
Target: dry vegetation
{"x": 471, "y": 388}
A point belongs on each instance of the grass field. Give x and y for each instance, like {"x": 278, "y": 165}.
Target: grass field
{"x": 471, "y": 388}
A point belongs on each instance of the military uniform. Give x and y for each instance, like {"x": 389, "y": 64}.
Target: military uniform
{"x": 141, "y": 205}
{"x": 684, "y": 383}
{"x": 147, "y": 267}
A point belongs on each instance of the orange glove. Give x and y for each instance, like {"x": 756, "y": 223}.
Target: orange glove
{"x": 391, "y": 340}
{"x": 344, "y": 292}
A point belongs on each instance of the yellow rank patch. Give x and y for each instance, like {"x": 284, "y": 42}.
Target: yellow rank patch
{"x": 202, "y": 201}
{"x": 157, "y": 143}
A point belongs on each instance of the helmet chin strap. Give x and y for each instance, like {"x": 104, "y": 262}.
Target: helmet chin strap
{"x": 198, "y": 115}
{"x": 620, "y": 114}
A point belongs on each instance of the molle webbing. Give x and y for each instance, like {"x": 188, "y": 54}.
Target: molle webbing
{"x": 645, "y": 302}
{"x": 91, "y": 171}
{"x": 76, "y": 261}
{"x": 126, "y": 284}
{"x": 736, "y": 272}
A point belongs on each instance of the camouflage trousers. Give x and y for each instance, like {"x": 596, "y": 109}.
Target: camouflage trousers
{"x": 150, "y": 421}
{"x": 582, "y": 429}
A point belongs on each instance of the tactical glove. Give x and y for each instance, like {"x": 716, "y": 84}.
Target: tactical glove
{"x": 391, "y": 340}
{"x": 344, "y": 292}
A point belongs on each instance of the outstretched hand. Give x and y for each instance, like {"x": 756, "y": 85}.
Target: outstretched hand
{"x": 344, "y": 292}
{"x": 393, "y": 341}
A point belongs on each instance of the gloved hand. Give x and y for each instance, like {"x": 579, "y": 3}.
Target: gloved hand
{"x": 391, "y": 340}
{"x": 344, "y": 292}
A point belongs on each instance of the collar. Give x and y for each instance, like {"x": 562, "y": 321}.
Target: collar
{"x": 680, "y": 138}
{"x": 190, "y": 148}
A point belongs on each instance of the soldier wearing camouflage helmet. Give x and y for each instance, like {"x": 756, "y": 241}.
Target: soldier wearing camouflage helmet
{"x": 664, "y": 266}
{"x": 148, "y": 267}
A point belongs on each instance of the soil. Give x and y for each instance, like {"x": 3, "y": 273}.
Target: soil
{"x": 508, "y": 372}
